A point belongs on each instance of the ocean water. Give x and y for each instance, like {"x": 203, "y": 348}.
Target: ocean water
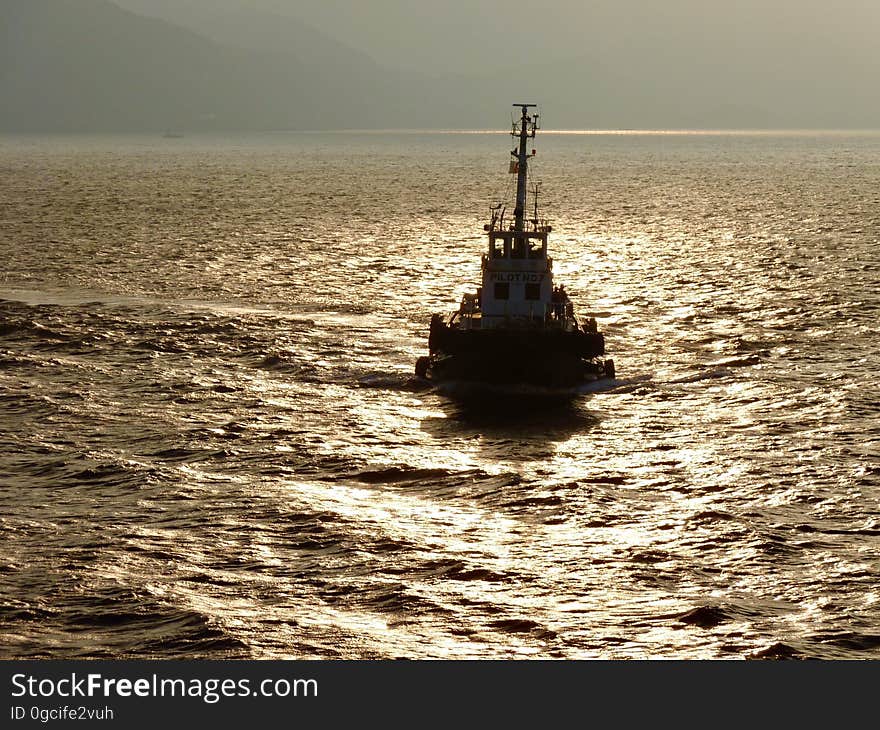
{"x": 212, "y": 443}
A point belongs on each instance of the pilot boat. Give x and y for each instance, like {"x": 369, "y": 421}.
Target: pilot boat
{"x": 518, "y": 331}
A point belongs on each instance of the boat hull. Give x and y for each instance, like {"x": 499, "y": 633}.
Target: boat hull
{"x": 542, "y": 358}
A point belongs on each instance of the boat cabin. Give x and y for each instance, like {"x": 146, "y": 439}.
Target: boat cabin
{"x": 517, "y": 279}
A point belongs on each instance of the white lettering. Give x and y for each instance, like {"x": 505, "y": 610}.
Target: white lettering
{"x": 15, "y": 681}
{"x": 516, "y": 276}
{"x": 306, "y": 685}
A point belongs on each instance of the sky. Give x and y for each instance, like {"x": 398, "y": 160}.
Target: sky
{"x": 490, "y": 31}
{"x": 306, "y": 63}
{"x": 457, "y": 35}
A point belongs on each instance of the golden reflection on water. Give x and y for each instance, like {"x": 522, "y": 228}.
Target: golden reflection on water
{"x": 243, "y": 371}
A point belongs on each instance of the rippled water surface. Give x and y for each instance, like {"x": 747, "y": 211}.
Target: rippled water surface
{"x": 212, "y": 443}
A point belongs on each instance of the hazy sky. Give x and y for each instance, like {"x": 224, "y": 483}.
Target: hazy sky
{"x": 589, "y": 63}
{"x": 461, "y": 35}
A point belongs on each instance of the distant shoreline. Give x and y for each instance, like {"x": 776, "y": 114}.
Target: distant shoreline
{"x": 766, "y": 132}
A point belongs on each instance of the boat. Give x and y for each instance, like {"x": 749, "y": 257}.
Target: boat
{"x": 518, "y": 332}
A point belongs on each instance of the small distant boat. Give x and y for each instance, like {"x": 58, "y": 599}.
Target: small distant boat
{"x": 518, "y": 332}
{"x": 172, "y": 135}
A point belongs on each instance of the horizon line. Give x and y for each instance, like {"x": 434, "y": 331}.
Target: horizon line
{"x": 622, "y": 131}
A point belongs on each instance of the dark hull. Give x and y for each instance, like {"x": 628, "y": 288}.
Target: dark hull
{"x": 534, "y": 357}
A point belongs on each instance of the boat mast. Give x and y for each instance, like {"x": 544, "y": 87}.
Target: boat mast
{"x": 527, "y": 128}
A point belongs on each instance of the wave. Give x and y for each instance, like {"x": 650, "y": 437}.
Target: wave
{"x": 394, "y": 382}
{"x": 121, "y": 623}
{"x": 396, "y": 474}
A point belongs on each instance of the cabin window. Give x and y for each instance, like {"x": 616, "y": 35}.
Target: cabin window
{"x": 502, "y": 291}
{"x": 533, "y": 292}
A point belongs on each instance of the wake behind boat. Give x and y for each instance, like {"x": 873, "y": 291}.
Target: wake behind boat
{"x": 518, "y": 332}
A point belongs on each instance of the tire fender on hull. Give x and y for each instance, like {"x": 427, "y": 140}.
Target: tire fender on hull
{"x": 609, "y": 369}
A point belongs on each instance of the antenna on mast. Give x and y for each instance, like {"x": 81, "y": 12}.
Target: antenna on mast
{"x": 527, "y": 128}
{"x": 535, "y": 219}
